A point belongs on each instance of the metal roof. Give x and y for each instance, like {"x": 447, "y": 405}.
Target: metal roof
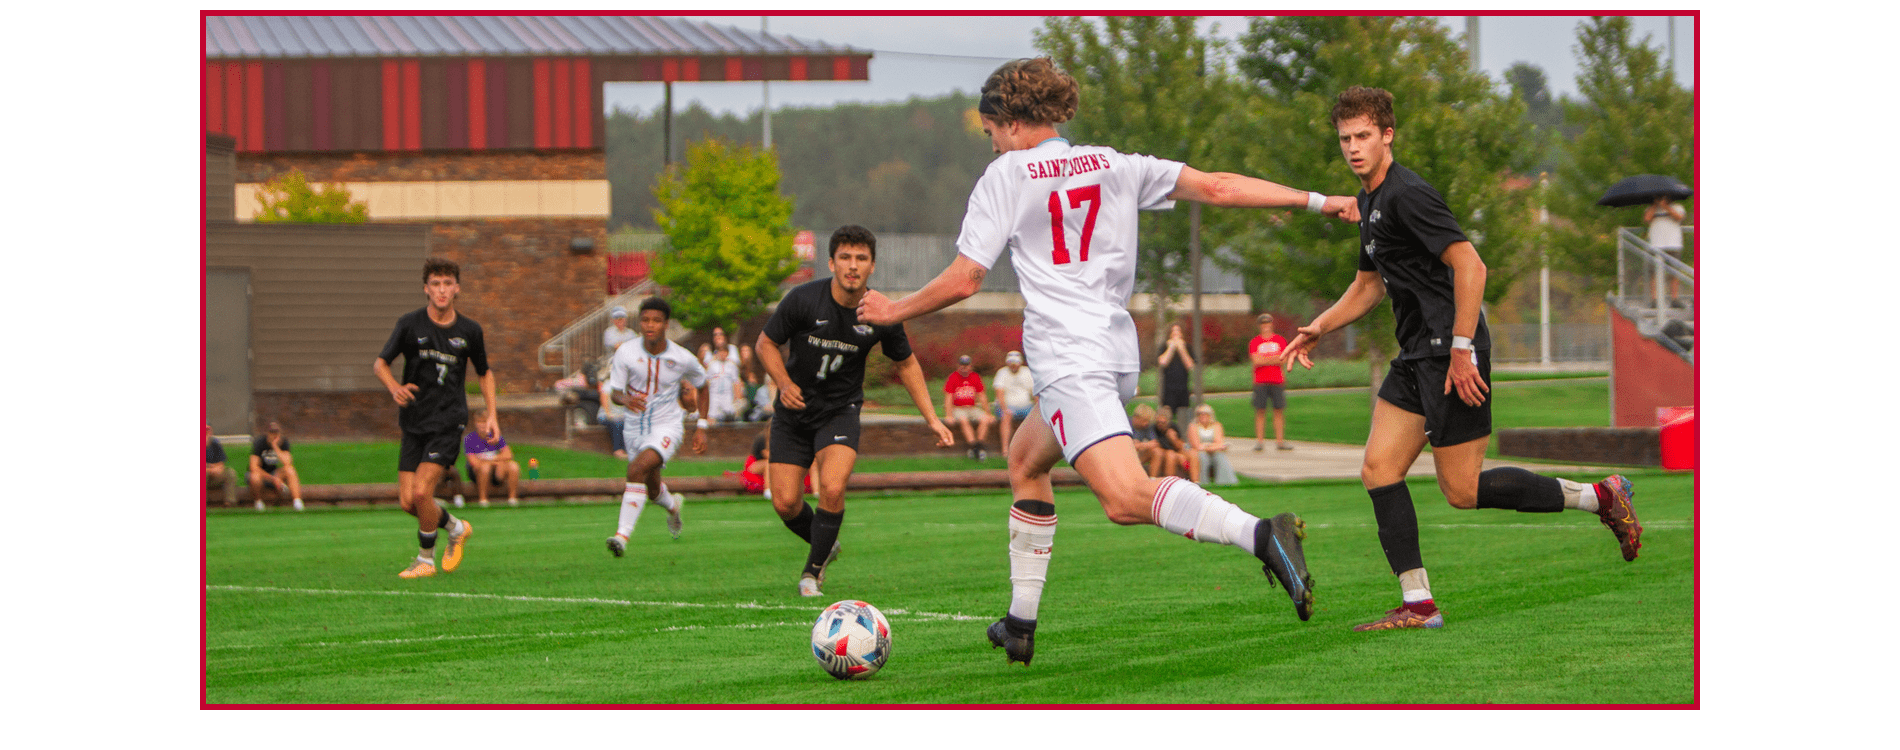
{"x": 258, "y": 37}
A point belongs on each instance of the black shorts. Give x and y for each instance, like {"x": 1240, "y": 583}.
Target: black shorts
{"x": 795, "y": 441}
{"x": 1269, "y": 395}
{"x": 419, "y": 448}
{"x": 1418, "y": 386}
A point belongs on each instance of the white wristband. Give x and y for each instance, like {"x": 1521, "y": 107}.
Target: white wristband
{"x": 1461, "y": 342}
{"x": 1315, "y": 202}
{"x": 702, "y": 424}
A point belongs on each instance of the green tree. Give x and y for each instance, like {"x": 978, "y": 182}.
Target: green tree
{"x": 289, "y": 198}
{"x": 729, "y": 230}
{"x": 1634, "y": 119}
{"x": 1149, "y": 85}
{"x": 1454, "y": 129}
{"x": 1545, "y": 114}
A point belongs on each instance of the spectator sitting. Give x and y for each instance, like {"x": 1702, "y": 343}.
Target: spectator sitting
{"x": 218, "y": 476}
{"x": 1182, "y": 462}
{"x": 582, "y": 391}
{"x": 1208, "y": 439}
{"x": 758, "y": 467}
{"x": 1148, "y": 440}
{"x": 964, "y": 402}
{"x": 618, "y": 333}
{"x": 271, "y": 470}
{"x": 719, "y": 342}
{"x": 490, "y": 464}
{"x": 1015, "y": 389}
{"x": 614, "y": 417}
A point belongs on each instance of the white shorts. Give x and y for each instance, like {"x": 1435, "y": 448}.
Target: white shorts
{"x": 664, "y": 440}
{"x": 1087, "y": 408}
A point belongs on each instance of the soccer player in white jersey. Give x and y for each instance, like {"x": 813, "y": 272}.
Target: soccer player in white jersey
{"x": 1068, "y": 213}
{"x": 646, "y": 379}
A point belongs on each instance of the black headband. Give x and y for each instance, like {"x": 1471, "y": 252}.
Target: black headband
{"x": 983, "y": 106}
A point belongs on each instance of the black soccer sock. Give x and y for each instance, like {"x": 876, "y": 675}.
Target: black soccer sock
{"x": 1513, "y": 488}
{"x": 444, "y": 519}
{"x": 1398, "y": 526}
{"x": 427, "y": 539}
{"x": 801, "y": 523}
{"x": 824, "y": 532}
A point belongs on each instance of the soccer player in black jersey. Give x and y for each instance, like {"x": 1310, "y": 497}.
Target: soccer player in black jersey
{"x": 436, "y": 344}
{"x": 1412, "y": 251}
{"x": 820, "y": 379}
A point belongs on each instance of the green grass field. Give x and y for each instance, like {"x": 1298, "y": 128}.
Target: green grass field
{"x": 307, "y": 608}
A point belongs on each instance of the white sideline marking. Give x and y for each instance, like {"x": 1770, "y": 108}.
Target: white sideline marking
{"x": 574, "y": 600}
{"x": 398, "y": 641}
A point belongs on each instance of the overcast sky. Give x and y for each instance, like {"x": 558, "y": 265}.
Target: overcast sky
{"x": 933, "y": 55}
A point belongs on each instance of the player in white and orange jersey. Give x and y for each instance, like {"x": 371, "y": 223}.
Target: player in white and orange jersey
{"x": 645, "y": 377}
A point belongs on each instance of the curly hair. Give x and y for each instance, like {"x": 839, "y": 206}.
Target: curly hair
{"x": 852, "y": 234}
{"x": 441, "y": 267}
{"x": 1030, "y": 90}
{"x": 1362, "y": 101}
{"x": 655, "y": 303}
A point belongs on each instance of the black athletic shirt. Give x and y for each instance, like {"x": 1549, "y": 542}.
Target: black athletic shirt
{"x": 436, "y": 358}
{"x": 267, "y": 456}
{"x": 1404, "y": 226}
{"x": 828, "y": 348}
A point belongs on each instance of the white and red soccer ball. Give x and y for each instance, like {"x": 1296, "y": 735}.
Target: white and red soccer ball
{"x": 851, "y": 640}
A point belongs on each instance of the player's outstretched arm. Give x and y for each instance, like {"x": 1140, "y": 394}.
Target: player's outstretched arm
{"x": 961, "y": 279}
{"x": 1240, "y": 191}
{"x": 911, "y": 374}
{"x": 1366, "y": 290}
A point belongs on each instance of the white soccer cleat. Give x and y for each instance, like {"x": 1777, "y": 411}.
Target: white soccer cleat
{"x": 808, "y": 586}
{"x": 296, "y": 503}
{"x": 617, "y": 545}
{"x": 673, "y": 523}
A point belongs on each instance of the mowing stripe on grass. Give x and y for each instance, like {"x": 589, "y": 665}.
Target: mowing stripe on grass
{"x": 572, "y": 600}
{"x": 432, "y": 639}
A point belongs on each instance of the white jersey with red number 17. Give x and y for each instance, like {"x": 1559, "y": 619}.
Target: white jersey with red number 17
{"x": 1068, "y": 216}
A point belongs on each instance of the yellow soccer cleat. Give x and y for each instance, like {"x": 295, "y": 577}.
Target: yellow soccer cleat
{"x": 452, "y": 557}
{"x": 418, "y": 569}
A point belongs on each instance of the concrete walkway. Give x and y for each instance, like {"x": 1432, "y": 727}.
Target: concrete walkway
{"x": 1341, "y": 461}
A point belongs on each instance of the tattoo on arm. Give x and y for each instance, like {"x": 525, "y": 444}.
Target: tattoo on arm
{"x": 977, "y": 274}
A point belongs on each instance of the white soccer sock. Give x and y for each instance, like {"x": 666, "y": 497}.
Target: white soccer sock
{"x": 631, "y": 503}
{"x": 667, "y": 499}
{"x": 1414, "y": 586}
{"x": 1578, "y": 495}
{"x": 1031, "y": 539}
{"x": 1184, "y": 508}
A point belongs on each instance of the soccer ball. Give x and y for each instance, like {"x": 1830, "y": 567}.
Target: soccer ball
{"x": 851, "y": 640}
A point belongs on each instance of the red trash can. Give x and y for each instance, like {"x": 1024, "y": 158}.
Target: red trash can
{"x": 1678, "y": 437}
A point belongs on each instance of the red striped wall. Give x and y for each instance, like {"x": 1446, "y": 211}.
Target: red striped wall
{"x": 409, "y": 104}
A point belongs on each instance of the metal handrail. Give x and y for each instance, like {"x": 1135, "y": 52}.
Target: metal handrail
{"x": 579, "y": 342}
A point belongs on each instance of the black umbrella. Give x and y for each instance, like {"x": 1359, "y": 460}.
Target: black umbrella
{"x": 1644, "y": 189}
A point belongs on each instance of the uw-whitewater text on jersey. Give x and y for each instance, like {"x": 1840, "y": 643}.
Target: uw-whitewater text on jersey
{"x": 827, "y": 348}
{"x": 435, "y": 360}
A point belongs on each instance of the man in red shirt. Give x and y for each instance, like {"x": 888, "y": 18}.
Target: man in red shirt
{"x": 964, "y": 402}
{"x": 1269, "y": 387}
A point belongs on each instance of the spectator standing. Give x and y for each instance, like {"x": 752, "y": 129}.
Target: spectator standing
{"x": 1015, "y": 389}
{"x": 218, "y": 476}
{"x": 1665, "y": 226}
{"x": 1208, "y": 439}
{"x": 1175, "y": 364}
{"x": 492, "y": 462}
{"x": 964, "y": 402}
{"x": 618, "y": 333}
{"x": 723, "y": 386}
{"x": 271, "y": 467}
{"x": 1269, "y": 385}
{"x": 719, "y": 342}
